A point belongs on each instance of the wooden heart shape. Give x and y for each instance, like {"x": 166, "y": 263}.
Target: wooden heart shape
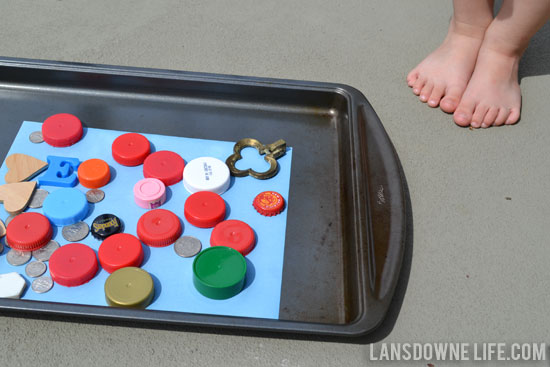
{"x": 22, "y": 167}
{"x": 16, "y": 196}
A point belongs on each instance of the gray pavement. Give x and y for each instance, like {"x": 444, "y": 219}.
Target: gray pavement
{"x": 478, "y": 266}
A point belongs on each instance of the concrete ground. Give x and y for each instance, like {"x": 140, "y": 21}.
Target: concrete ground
{"x": 479, "y": 264}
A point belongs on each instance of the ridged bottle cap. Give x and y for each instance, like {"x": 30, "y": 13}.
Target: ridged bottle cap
{"x": 29, "y": 232}
{"x": 159, "y": 228}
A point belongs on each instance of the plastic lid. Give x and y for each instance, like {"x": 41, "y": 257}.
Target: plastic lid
{"x": 62, "y": 130}
{"x": 94, "y": 173}
{"x": 164, "y": 165}
{"x": 119, "y": 251}
{"x": 65, "y": 206}
{"x": 206, "y": 174}
{"x": 29, "y": 232}
{"x": 235, "y": 234}
{"x": 149, "y": 193}
{"x": 219, "y": 272}
{"x": 204, "y": 209}
{"x": 159, "y": 228}
{"x": 269, "y": 203}
{"x": 129, "y": 287}
{"x": 130, "y": 149}
{"x": 105, "y": 225}
{"x": 73, "y": 264}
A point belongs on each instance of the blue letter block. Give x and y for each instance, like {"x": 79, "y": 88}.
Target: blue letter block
{"x": 61, "y": 172}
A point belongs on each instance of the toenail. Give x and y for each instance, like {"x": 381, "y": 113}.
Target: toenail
{"x": 416, "y": 90}
{"x": 423, "y": 98}
{"x": 484, "y": 125}
{"x": 462, "y": 116}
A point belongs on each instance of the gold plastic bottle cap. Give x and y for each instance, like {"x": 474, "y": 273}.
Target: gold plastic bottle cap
{"x": 129, "y": 287}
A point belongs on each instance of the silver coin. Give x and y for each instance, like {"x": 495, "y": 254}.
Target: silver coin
{"x": 38, "y": 198}
{"x": 75, "y": 232}
{"x": 2, "y": 229}
{"x": 35, "y": 269}
{"x": 8, "y": 219}
{"x": 95, "y": 195}
{"x": 17, "y": 258}
{"x": 36, "y": 137}
{"x": 187, "y": 246}
{"x": 44, "y": 253}
{"x": 42, "y": 284}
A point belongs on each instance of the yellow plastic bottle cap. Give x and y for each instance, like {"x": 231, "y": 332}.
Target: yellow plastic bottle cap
{"x": 129, "y": 287}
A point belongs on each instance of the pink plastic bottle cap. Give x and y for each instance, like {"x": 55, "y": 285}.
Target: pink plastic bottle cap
{"x": 149, "y": 193}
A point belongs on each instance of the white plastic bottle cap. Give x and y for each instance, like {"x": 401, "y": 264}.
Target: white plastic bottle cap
{"x": 206, "y": 174}
{"x": 12, "y": 285}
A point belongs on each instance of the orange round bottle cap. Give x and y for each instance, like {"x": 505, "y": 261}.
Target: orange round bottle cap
{"x": 94, "y": 173}
{"x": 269, "y": 203}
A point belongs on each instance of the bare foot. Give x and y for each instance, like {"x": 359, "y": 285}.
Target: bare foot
{"x": 442, "y": 77}
{"x": 493, "y": 96}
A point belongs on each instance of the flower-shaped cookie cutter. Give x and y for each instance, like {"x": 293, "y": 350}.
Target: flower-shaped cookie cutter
{"x": 272, "y": 152}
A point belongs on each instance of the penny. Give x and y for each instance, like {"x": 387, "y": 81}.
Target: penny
{"x": 75, "y": 232}
{"x": 95, "y": 195}
{"x": 36, "y": 137}
{"x": 35, "y": 269}
{"x": 42, "y": 284}
{"x": 38, "y": 198}
{"x": 17, "y": 258}
{"x": 187, "y": 246}
{"x": 44, "y": 253}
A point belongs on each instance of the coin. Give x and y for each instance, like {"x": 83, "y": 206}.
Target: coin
{"x": 8, "y": 219}
{"x": 75, "y": 232}
{"x": 36, "y": 137}
{"x": 44, "y": 253}
{"x": 35, "y": 269}
{"x": 95, "y": 195}
{"x": 187, "y": 246}
{"x": 42, "y": 284}
{"x": 38, "y": 198}
{"x": 2, "y": 229}
{"x": 17, "y": 258}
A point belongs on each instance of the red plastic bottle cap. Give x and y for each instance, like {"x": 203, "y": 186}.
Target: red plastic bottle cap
{"x": 165, "y": 166}
{"x": 62, "y": 130}
{"x": 73, "y": 264}
{"x": 269, "y": 203}
{"x": 235, "y": 234}
{"x": 28, "y": 232}
{"x": 159, "y": 228}
{"x": 131, "y": 149}
{"x": 119, "y": 251}
{"x": 204, "y": 209}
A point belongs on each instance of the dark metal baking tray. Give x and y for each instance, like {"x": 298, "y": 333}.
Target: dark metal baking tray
{"x": 346, "y": 208}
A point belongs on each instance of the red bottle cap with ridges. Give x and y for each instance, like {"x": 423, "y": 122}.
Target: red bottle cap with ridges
{"x": 164, "y": 165}
{"x": 28, "y": 232}
{"x": 269, "y": 203}
{"x": 130, "y": 149}
{"x": 159, "y": 228}
{"x": 62, "y": 130}
{"x": 235, "y": 234}
{"x": 119, "y": 251}
{"x": 204, "y": 209}
{"x": 73, "y": 264}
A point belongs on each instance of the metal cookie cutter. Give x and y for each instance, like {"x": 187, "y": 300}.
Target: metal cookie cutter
{"x": 272, "y": 152}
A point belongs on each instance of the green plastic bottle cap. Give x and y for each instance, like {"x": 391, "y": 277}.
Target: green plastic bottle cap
{"x": 129, "y": 287}
{"x": 219, "y": 272}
